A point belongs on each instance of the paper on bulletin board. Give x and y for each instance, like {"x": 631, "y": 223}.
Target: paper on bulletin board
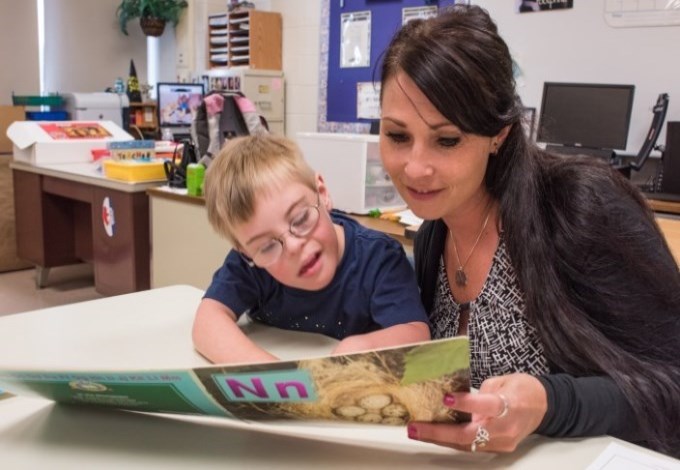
{"x": 368, "y": 100}
{"x": 529, "y": 6}
{"x": 355, "y": 39}
{"x": 636, "y": 13}
{"x": 413, "y": 13}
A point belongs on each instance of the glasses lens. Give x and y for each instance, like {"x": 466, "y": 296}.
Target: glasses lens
{"x": 301, "y": 225}
{"x": 305, "y": 221}
{"x": 268, "y": 253}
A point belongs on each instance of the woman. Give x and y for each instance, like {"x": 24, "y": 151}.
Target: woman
{"x": 553, "y": 266}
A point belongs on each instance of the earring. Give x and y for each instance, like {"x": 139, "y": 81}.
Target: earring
{"x": 494, "y": 147}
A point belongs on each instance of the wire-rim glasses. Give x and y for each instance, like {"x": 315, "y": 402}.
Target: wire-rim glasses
{"x": 301, "y": 224}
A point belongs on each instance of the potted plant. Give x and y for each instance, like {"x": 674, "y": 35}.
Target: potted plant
{"x": 152, "y": 14}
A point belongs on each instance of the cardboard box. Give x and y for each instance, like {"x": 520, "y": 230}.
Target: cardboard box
{"x": 48, "y": 142}
{"x": 9, "y": 114}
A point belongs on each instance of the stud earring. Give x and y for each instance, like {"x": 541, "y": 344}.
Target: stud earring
{"x": 494, "y": 148}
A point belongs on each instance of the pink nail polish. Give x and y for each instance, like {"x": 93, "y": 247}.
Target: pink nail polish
{"x": 412, "y": 432}
{"x": 449, "y": 400}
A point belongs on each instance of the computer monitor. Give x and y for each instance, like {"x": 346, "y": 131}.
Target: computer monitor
{"x": 585, "y": 116}
{"x": 177, "y": 104}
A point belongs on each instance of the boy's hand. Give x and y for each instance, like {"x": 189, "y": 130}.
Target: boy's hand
{"x": 351, "y": 344}
{"x": 397, "y": 335}
{"x": 218, "y": 338}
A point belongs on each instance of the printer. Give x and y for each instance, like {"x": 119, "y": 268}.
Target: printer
{"x": 98, "y": 106}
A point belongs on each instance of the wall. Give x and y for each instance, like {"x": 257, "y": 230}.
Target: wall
{"x": 577, "y": 45}
{"x": 84, "y": 49}
{"x": 301, "y": 49}
{"x": 571, "y": 45}
{"x": 300, "y": 19}
{"x": 18, "y": 49}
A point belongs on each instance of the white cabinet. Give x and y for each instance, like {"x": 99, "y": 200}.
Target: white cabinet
{"x": 180, "y": 217}
{"x": 351, "y": 167}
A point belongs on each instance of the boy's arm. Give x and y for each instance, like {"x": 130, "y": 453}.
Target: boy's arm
{"x": 217, "y": 336}
{"x": 392, "y": 336}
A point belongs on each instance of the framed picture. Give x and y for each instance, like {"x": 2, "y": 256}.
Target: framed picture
{"x": 529, "y": 122}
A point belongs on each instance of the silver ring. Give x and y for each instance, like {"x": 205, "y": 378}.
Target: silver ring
{"x": 506, "y": 406}
{"x": 481, "y": 439}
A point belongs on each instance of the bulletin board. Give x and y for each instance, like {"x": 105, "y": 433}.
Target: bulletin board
{"x": 340, "y": 94}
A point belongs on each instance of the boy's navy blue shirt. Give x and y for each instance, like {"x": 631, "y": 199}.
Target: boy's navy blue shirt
{"x": 374, "y": 287}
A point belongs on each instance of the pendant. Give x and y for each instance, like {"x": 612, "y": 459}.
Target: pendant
{"x": 461, "y": 278}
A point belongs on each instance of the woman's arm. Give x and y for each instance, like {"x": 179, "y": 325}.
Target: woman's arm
{"x": 556, "y": 405}
{"x": 217, "y": 336}
{"x": 587, "y": 406}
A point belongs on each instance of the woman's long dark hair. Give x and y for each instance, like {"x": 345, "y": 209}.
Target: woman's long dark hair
{"x": 600, "y": 283}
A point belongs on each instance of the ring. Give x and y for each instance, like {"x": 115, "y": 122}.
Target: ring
{"x": 481, "y": 439}
{"x": 506, "y": 406}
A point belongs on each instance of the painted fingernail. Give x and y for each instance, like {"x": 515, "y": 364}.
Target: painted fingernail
{"x": 449, "y": 400}
{"x": 412, "y": 431}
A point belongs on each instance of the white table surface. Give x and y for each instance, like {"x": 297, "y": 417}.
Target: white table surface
{"x": 152, "y": 329}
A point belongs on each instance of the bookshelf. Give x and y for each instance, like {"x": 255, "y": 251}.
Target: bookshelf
{"x": 144, "y": 117}
{"x": 246, "y": 38}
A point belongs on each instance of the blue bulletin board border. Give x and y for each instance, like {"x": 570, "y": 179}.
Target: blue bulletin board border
{"x": 338, "y": 90}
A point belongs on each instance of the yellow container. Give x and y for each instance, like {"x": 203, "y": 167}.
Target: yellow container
{"x": 134, "y": 171}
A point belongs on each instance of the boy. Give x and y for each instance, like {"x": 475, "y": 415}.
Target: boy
{"x": 295, "y": 264}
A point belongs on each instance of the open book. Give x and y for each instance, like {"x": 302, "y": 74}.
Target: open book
{"x": 386, "y": 386}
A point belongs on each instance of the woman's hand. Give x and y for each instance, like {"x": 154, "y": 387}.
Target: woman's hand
{"x": 505, "y": 411}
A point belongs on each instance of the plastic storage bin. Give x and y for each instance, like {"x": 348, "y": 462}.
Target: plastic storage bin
{"x": 39, "y": 100}
{"x": 134, "y": 171}
{"x": 47, "y": 115}
{"x": 352, "y": 170}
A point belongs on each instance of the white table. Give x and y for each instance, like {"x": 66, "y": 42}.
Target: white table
{"x": 152, "y": 329}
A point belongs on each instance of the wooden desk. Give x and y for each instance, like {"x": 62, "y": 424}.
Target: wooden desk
{"x": 393, "y": 229}
{"x": 670, "y": 227}
{"x": 152, "y": 329}
{"x": 671, "y": 231}
{"x": 60, "y": 220}
{"x": 669, "y": 207}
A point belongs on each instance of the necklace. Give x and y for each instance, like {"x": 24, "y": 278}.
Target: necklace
{"x": 461, "y": 277}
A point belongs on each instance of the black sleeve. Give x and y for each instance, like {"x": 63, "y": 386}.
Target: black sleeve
{"x": 587, "y": 406}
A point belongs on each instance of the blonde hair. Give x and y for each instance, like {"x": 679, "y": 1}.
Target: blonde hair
{"x": 247, "y": 168}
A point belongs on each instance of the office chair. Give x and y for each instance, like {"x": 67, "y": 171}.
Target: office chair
{"x": 649, "y": 144}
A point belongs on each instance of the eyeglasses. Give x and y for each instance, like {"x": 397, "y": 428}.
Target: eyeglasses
{"x": 301, "y": 225}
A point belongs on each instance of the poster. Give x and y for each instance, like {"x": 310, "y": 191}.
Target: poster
{"x": 355, "y": 39}
{"x": 368, "y": 100}
{"x": 529, "y": 6}
{"x": 412, "y": 13}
